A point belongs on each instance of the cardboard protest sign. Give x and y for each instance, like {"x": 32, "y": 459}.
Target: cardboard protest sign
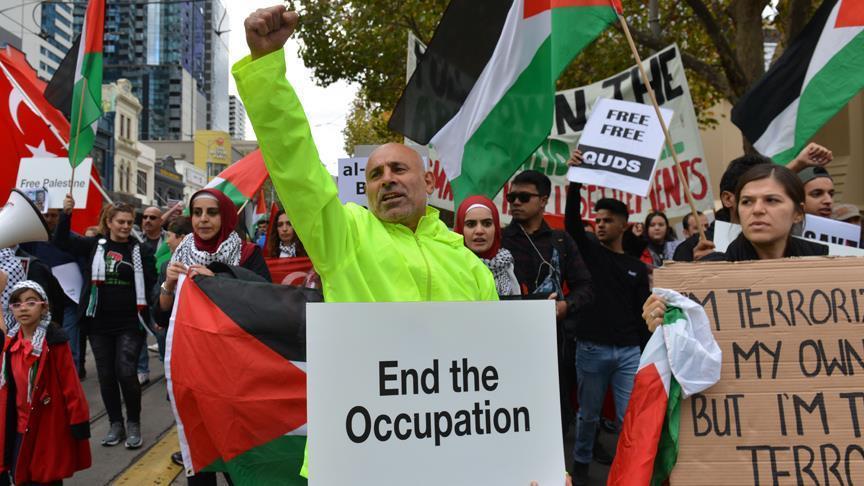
{"x": 725, "y": 233}
{"x": 666, "y": 70}
{"x": 54, "y": 175}
{"x": 433, "y": 393}
{"x": 789, "y": 406}
{"x": 620, "y": 145}
{"x": 352, "y": 180}
{"x": 832, "y": 231}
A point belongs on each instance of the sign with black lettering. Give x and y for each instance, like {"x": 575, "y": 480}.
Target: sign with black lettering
{"x": 831, "y": 231}
{"x": 789, "y": 406}
{"x": 47, "y": 181}
{"x": 351, "y": 180}
{"x": 433, "y": 393}
{"x": 620, "y": 146}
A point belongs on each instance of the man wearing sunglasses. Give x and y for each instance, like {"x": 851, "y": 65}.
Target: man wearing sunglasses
{"x": 544, "y": 261}
{"x": 151, "y": 226}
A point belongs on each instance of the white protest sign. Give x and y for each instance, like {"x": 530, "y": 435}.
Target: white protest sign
{"x": 620, "y": 146}
{"x": 433, "y": 393}
{"x": 69, "y": 277}
{"x": 352, "y": 180}
{"x": 54, "y": 175}
{"x": 725, "y": 233}
{"x": 831, "y": 231}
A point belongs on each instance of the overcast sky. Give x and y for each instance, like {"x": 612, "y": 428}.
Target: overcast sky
{"x": 325, "y": 107}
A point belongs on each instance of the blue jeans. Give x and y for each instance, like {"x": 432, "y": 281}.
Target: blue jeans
{"x": 597, "y": 367}
{"x": 70, "y": 327}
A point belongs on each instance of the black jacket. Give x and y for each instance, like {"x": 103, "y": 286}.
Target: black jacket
{"x": 531, "y": 270}
{"x": 40, "y": 273}
{"x": 742, "y": 250}
{"x": 81, "y": 246}
{"x": 620, "y": 284}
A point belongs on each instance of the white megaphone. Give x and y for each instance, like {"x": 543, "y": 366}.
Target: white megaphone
{"x": 21, "y": 221}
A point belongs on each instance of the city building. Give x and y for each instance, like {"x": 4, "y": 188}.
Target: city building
{"x": 194, "y": 179}
{"x": 133, "y": 163}
{"x": 169, "y": 183}
{"x": 42, "y": 30}
{"x": 175, "y": 55}
{"x": 207, "y": 144}
{"x": 236, "y": 118}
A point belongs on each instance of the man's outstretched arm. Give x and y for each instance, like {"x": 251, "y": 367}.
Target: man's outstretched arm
{"x": 305, "y": 188}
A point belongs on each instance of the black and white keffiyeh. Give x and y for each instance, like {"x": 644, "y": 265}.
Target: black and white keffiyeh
{"x": 228, "y": 252}
{"x": 287, "y": 251}
{"x": 97, "y": 270}
{"x": 11, "y": 266}
{"x": 501, "y": 266}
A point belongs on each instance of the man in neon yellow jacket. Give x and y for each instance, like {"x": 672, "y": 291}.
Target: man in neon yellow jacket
{"x": 398, "y": 250}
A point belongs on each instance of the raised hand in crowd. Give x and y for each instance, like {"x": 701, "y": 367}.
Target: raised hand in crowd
{"x": 703, "y": 249}
{"x": 68, "y": 204}
{"x": 813, "y": 155}
{"x": 652, "y": 312}
{"x": 267, "y": 29}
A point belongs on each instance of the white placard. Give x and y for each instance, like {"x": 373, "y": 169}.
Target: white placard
{"x": 352, "y": 180}
{"x": 827, "y": 230}
{"x": 620, "y": 146}
{"x": 362, "y": 356}
{"x": 725, "y": 233}
{"x": 54, "y": 175}
{"x": 69, "y": 277}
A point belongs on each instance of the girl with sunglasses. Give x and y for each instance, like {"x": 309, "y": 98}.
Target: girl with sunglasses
{"x": 45, "y": 418}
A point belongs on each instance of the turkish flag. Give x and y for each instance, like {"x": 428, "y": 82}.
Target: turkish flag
{"x": 32, "y": 127}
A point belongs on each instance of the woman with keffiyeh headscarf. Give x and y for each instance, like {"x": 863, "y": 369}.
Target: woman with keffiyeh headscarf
{"x": 477, "y": 220}
{"x": 113, "y": 310}
{"x": 41, "y": 442}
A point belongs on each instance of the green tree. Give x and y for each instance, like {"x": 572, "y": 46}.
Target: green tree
{"x": 367, "y": 125}
{"x": 721, "y": 44}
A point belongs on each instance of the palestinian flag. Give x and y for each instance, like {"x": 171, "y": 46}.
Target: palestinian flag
{"x": 87, "y": 91}
{"x": 820, "y": 71}
{"x": 242, "y": 179}
{"x": 236, "y": 374}
{"x": 682, "y": 358}
{"x": 483, "y": 93}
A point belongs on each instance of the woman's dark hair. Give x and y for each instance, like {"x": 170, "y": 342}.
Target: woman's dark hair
{"x": 792, "y": 185}
{"x": 272, "y": 245}
{"x": 670, "y": 232}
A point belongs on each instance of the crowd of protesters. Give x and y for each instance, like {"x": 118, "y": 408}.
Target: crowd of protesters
{"x": 597, "y": 272}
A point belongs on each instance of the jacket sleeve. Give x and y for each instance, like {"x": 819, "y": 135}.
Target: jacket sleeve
{"x": 159, "y": 316}
{"x": 486, "y": 283}
{"x": 573, "y": 220}
{"x": 73, "y": 393}
{"x": 578, "y": 280}
{"x": 305, "y": 188}
{"x": 68, "y": 241}
{"x": 150, "y": 276}
{"x": 257, "y": 264}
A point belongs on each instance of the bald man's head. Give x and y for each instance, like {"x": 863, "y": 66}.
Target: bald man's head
{"x": 397, "y": 184}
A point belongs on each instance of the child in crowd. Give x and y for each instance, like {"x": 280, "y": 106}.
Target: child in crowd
{"x": 45, "y": 425}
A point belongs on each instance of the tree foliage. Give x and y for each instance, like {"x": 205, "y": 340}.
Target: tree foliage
{"x": 721, "y": 43}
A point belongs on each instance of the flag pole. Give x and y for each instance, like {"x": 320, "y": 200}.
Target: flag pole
{"x": 669, "y": 147}
{"x": 243, "y": 206}
{"x": 77, "y": 133}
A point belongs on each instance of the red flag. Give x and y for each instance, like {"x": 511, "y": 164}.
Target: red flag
{"x": 32, "y": 127}
{"x": 289, "y": 271}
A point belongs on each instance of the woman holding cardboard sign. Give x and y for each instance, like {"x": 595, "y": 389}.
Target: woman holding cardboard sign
{"x": 770, "y": 201}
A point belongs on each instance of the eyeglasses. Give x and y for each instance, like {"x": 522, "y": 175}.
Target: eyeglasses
{"x": 149, "y": 216}
{"x": 523, "y": 197}
{"x": 26, "y": 305}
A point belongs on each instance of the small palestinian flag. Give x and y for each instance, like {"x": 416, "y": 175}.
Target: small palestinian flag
{"x": 681, "y": 358}
{"x": 237, "y": 378}
{"x": 820, "y": 71}
{"x": 87, "y": 91}
{"x": 242, "y": 179}
{"x": 483, "y": 94}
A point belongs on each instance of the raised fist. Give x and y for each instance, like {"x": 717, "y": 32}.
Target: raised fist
{"x": 267, "y": 29}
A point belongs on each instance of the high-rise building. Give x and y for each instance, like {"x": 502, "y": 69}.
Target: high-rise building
{"x": 236, "y": 118}
{"x": 42, "y": 30}
{"x": 174, "y": 59}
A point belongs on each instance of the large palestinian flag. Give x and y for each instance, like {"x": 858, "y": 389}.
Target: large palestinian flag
{"x": 236, "y": 376}
{"x": 681, "y": 358}
{"x": 242, "y": 179}
{"x": 483, "y": 93}
{"x": 820, "y": 71}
